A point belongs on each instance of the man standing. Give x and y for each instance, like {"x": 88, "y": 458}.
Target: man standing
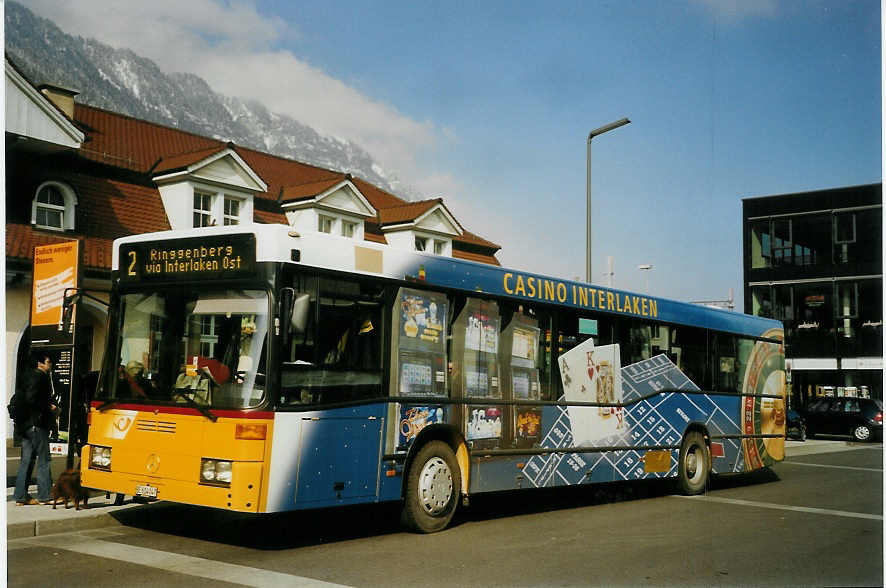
{"x": 34, "y": 431}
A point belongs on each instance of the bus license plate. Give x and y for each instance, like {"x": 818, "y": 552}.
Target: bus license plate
{"x": 146, "y": 491}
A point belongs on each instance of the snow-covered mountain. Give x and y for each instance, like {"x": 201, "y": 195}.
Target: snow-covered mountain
{"x": 121, "y": 81}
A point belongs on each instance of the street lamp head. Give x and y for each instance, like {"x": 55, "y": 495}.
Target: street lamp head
{"x": 606, "y": 128}
{"x": 591, "y": 135}
{"x": 645, "y": 266}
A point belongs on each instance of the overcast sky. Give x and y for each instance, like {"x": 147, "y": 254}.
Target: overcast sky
{"x": 489, "y": 104}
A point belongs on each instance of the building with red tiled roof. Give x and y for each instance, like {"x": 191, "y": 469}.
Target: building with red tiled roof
{"x": 76, "y": 172}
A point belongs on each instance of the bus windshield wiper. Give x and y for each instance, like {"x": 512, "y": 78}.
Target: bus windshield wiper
{"x": 107, "y": 404}
{"x": 194, "y": 404}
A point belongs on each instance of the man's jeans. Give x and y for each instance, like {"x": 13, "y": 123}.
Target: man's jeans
{"x": 35, "y": 442}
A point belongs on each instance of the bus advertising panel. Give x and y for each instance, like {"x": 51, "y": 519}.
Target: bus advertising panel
{"x": 419, "y": 335}
{"x": 475, "y": 350}
{"x": 520, "y": 377}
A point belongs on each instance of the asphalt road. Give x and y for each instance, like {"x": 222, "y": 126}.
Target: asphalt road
{"x": 813, "y": 520}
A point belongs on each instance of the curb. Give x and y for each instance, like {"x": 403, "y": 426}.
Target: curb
{"x": 50, "y": 527}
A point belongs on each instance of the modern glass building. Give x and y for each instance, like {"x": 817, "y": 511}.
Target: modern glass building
{"x": 814, "y": 260}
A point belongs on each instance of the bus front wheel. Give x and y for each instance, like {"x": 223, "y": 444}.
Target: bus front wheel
{"x": 695, "y": 460}
{"x": 433, "y": 485}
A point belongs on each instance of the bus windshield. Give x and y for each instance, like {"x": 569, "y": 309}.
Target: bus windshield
{"x": 187, "y": 346}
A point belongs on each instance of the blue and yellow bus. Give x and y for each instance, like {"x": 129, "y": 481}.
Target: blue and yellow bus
{"x": 255, "y": 369}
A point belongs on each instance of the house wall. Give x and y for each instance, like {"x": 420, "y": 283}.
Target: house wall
{"x": 18, "y": 308}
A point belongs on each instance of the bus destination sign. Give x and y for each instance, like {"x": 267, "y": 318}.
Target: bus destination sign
{"x": 201, "y": 258}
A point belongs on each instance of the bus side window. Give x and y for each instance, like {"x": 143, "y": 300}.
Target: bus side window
{"x": 350, "y": 313}
{"x": 639, "y": 345}
{"x": 302, "y": 343}
{"x": 689, "y": 350}
{"x": 338, "y": 356}
{"x": 544, "y": 353}
{"x": 726, "y": 362}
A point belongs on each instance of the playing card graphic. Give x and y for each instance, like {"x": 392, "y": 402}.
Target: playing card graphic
{"x": 593, "y": 374}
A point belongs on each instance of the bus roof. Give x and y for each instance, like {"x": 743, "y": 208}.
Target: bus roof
{"x": 280, "y": 243}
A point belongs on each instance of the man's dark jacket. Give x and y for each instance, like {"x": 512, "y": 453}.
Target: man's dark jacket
{"x": 38, "y": 399}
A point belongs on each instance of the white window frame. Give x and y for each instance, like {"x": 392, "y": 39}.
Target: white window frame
{"x": 227, "y": 218}
{"x": 348, "y": 229}
{"x": 325, "y": 224}
{"x": 202, "y": 213}
{"x": 66, "y": 211}
{"x": 439, "y": 247}
{"x": 421, "y": 243}
{"x": 215, "y": 211}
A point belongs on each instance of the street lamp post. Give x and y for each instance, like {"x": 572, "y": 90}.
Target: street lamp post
{"x": 591, "y": 135}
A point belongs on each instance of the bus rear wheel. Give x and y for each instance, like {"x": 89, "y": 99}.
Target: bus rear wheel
{"x": 695, "y": 464}
{"x": 433, "y": 485}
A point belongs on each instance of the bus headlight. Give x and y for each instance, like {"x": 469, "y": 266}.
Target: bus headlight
{"x": 216, "y": 472}
{"x": 100, "y": 457}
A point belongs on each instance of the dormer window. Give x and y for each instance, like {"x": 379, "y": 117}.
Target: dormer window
{"x": 232, "y": 211}
{"x": 53, "y": 207}
{"x": 206, "y": 213}
{"x": 202, "y": 209}
{"x": 333, "y": 206}
{"x": 438, "y": 246}
{"x": 209, "y": 188}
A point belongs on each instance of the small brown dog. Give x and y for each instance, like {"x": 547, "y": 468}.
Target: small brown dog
{"x": 68, "y": 487}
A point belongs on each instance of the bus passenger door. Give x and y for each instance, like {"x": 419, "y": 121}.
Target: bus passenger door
{"x": 339, "y": 459}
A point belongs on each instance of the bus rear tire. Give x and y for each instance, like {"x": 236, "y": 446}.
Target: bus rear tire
{"x": 694, "y": 465}
{"x": 433, "y": 485}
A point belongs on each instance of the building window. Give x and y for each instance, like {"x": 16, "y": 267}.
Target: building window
{"x": 208, "y": 336}
{"x": 761, "y": 297}
{"x": 325, "y": 224}
{"x": 761, "y": 244}
{"x": 202, "y": 209}
{"x": 858, "y": 236}
{"x": 782, "y": 246}
{"x": 231, "y": 211}
{"x": 421, "y": 244}
{"x": 50, "y": 208}
{"x": 811, "y": 234}
{"x": 844, "y": 227}
{"x": 870, "y": 319}
{"x": 53, "y": 207}
{"x": 348, "y": 229}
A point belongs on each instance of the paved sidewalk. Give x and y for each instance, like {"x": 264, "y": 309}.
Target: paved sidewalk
{"x": 33, "y": 520}
{"x": 30, "y": 521}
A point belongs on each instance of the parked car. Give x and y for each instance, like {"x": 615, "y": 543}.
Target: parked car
{"x": 862, "y": 418}
{"x": 796, "y": 426}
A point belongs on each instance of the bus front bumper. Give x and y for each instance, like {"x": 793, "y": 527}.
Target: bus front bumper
{"x": 243, "y": 494}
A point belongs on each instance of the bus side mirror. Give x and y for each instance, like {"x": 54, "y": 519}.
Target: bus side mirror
{"x": 294, "y": 309}
{"x": 299, "y": 316}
